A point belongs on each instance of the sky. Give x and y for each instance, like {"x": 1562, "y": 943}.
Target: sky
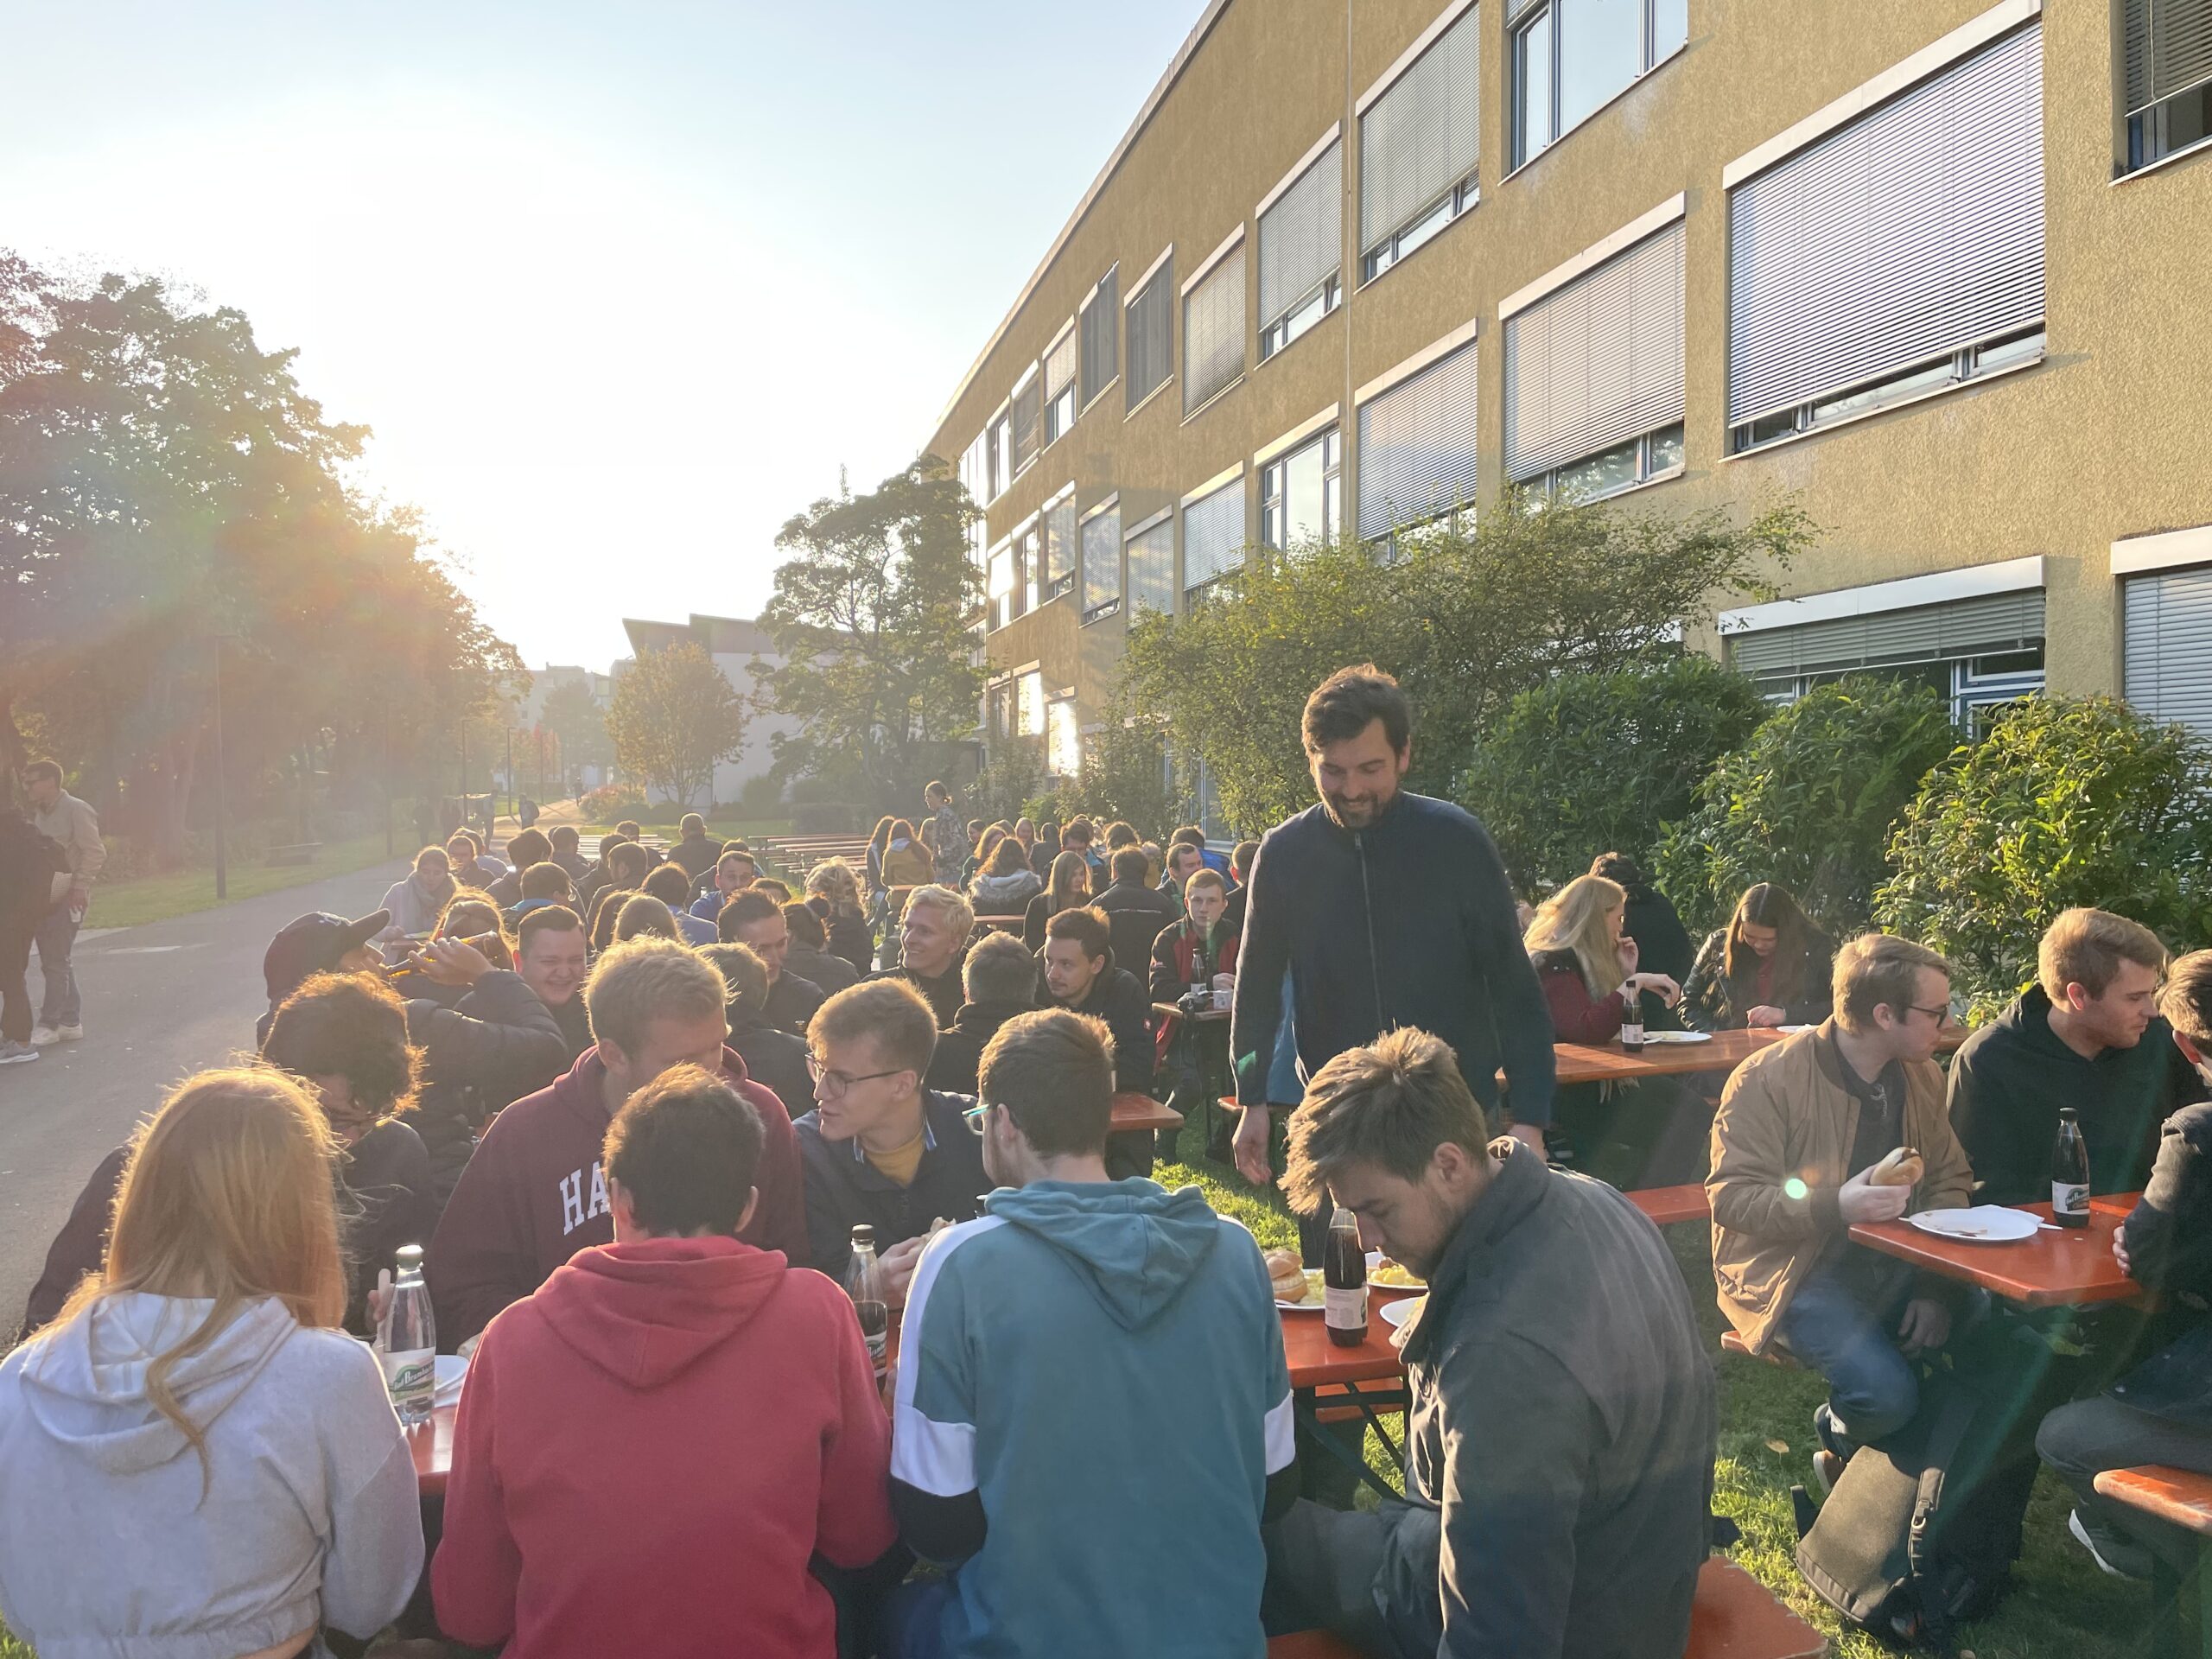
{"x": 620, "y": 290}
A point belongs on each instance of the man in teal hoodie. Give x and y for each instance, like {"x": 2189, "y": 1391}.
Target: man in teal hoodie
{"x": 1076, "y": 1320}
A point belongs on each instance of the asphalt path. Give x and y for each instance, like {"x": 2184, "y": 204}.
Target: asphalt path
{"x": 161, "y": 1002}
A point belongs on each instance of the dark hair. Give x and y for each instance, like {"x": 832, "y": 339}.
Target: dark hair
{"x": 686, "y": 1148}
{"x": 630, "y": 828}
{"x": 745, "y": 907}
{"x": 779, "y": 891}
{"x": 546, "y": 881}
{"x": 743, "y": 972}
{"x": 1769, "y": 904}
{"x": 1240, "y": 860}
{"x": 2187, "y": 999}
{"x": 475, "y": 847}
{"x": 609, "y": 843}
{"x": 1619, "y": 869}
{"x": 900, "y": 831}
{"x": 42, "y": 771}
{"x": 529, "y": 847}
{"x": 1390, "y": 1104}
{"x": 806, "y": 926}
{"x": 1087, "y": 925}
{"x": 1352, "y": 699}
{"x": 546, "y": 919}
{"x": 668, "y": 883}
{"x": 1121, "y": 833}
{"x": 729, "y": 852}
{"x": 1054, "y": 1071}
{"x": 1129, "y": 864}
{"x": 999, "y": 969}
{"x": 1079, "y": 832}
{"x": 349, "y": 1026}
{"x": 629, "y": 862}
{"x": 1188, "y": 835}
{"x": 643, "y": 913}
{"x": 470, "y": 916}
{"x": 564, "y": 835}
{"x": 1007, "y": 859}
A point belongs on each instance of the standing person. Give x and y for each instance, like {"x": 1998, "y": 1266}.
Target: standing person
{"x": 1134, "y": 909}
{"x": 1069, "y": 888}
{"x": 1769, "y": 967}
{"x": 1559, "y": 1446}
{"x": 34, "y": 877}
{"x": 932, "y": 942}
{"x": 833, "y": 893}
{"x": 999, "y": 980}
{"x": 808, "y": 956}
{"x": 1388, "y": 909}
{"x": 952, "y": 837}
{"x": 694, "y": 853}
{"x": 415, "y": 902}
{"x": 754, "y": 919}
{"x": 71, "y": 824}
{"x": 221, "y": 1469}
{"x": 773, "y": 1057}
{"x": 567, "y": 852}
{"x": 2086, "y": 1034}
{"x": 1146, "y": 1320}
{"x": 1006, "y": 884}
{"x": 526, "y": 812}
{"x": 737, "y": 1392}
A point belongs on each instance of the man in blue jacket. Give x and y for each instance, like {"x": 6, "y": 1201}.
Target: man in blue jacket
{"x": 1390, "y": 909}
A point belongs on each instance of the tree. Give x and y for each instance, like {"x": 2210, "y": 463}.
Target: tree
{"x": 1590, "y": 763}
{"x": 572, "y": 715}
{"x": 1127, "y": 774}
{"x": 675, "y": 716}
{"x": 2066, "y": 802}
{"x": 872, "y": 617}
{"x": 1467, "y": 613}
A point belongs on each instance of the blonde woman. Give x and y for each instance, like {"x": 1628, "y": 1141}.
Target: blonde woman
{"x": 833, "y": 893}
{"x": 218, "y": 1467}
{"x": 1587, "y": 967}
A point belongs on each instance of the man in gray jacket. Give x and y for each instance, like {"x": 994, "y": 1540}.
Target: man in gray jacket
{"x": 61, "y": 817}
{"x": 1558, "y": 1463}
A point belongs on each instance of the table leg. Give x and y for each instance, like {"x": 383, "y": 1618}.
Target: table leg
{"x": 1303, "y": 1404}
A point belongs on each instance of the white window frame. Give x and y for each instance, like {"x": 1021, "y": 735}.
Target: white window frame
{"x": 1272, "y": 474}
{"x": 1526, "y": 18}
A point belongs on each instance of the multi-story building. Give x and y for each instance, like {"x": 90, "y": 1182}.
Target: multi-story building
{"x": 1935, "y": 269}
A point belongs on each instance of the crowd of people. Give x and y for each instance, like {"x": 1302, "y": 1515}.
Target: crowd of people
{"x": 648, "y": 1113}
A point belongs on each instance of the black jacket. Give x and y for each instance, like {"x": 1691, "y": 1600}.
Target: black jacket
{"x": 943, "y": 994}
{"x": 1117, "y": 998}
{"x": 492, "y": 1048}
{"x": 2011, "y": 1076}
{"x": 960, "y": 1046}
{"x": 1662, "y": 943}
{"x": 843, "y": 1189}
{"x": 1711, "y": 1002}
{"x": 791, "y": 1002}
{"x": 773, "y": 1058}
{"x": 828, "y": 972}
{"x": 29, "y": 862}
{"x": 852, "y": 939}
{"x": 1136, "y": 913}
{"x": 1408, "y": 922}
{"x": 696, "y": 855}
{"x": 1561, "y": 1434}
{"x": 2170, "y": 1250}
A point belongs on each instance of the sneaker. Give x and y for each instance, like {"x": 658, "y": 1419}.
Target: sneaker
{"x": 1828, "y": 1469}
{"x": 70, "y": 1034}
{"x": 2116, "y": 1556}
{"x": 42, "y": 1035}
{"x": 16, "y": 1053}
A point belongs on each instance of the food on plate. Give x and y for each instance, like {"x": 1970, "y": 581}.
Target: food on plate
{"x": 1394, "y": 1276}
{"x": 1903, "y": 1167}
{"x": 1286, "y": 1276}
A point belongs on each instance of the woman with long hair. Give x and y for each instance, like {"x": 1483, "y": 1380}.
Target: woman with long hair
{"x": 1588, "y": 969}
{"x": 1770, "y": 966}
{"x": 906, "y": 861}
{"x": 1070, "y": 888}
{"x": 1006, "y": 884}
{"x": 877, "y": 843}
{"x": 986, "y": 843}
{"x": 418, "y": 898}
{"x": 216, "y": 1467}
{"x": 833, "y": 893}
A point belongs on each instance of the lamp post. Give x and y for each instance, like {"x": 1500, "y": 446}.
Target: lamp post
{"x": 222, "y": 860}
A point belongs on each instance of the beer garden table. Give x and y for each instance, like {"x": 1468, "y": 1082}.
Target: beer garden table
{"x": 2061, "y": 1267}
{"x": 1611, "y": 1063}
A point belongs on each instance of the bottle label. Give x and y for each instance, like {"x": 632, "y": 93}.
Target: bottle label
{"x": 1345, "y": 1309}
{"x": 410, "y": 1373}
{"x": 2067, "y": 1199}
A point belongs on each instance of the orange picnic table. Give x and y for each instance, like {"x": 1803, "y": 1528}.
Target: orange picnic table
{"x": 2059, "y": 1267}
{"x": 1670, "y": 1057}
{"x": 1136, "y": 1111}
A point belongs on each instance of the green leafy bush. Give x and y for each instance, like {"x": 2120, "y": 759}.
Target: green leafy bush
{"x": 2066, "y": 802}
{"x": 1808, "y": 802}
{"x": 1588, "y": 763}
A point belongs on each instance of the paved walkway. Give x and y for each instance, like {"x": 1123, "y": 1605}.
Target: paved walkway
{"x": 161, "y": 1000}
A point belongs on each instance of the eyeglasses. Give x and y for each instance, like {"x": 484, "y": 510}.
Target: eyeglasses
{"x": 834, "y": 1084}
{"x": 1938, "y": 1014}
{"x": 973, "y": 1117}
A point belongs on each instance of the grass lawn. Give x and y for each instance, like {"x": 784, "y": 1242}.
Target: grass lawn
{"x": 157, "y": 898}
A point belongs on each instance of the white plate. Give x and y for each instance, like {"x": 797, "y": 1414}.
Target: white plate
{"x": 1395, "y": 1314}
{"x": 1313, "y": 1296}
{"x": 452, "y": 1371}
{"x": 1677, "y": 1036}
{"x": 1985, "y": 1223}
{"x": 1791, "y": 1030}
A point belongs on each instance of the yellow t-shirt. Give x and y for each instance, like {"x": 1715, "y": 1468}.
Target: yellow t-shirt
{"x": 901, "y": 1163}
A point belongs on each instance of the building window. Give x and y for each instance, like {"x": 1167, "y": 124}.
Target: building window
{"x": 1028, "y": 566}
{"x": 998, "y": 443}
{"x": 1299, "y": 493}
{"x": 1152, "y": 333}
{"x": 1101, "y": 564}
{"x": 1152, "y": 568}
{"x": 998, "y": 703}
{"x": 1059, "y": 385}
{"x": 2166, "y": 54}
{"x": 1001, "y": 587}
{"x": 1981, "y": 654}
{"x": 1301, "y": 240}
{"x": 1029, "y": 704}
{"x": 1418, "y": 149}
{"x": 1059, "y": 548}
{"x": 1100, "y": 327}
{"x": 1571, "y": 57}
{"x": 1593, "y": 375}
{"x": 1028, "y": 417}
{"x": 1063, "y": 738}
{"x": 1213, "y": 331}
{"x": 1899, "y": 254}
{"x": 1417, "y": 447}
{"x": 2169, "y": 648}
{"x": 1213, "y": 538}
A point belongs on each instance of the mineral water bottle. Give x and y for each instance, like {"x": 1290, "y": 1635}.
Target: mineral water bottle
{"x": 407, "y": 1342}
{"x": 864, "y": 1284}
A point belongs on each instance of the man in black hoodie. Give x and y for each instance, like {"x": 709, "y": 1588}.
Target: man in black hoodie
{"x": 1000, "y": 978}
{"x": 756, "y": 919}
{"x": 773, "y": 1058}
{"x": 1080, "y": 974}
{"x": 2087, "y": 1035}
{"x": 1135, "y": 911}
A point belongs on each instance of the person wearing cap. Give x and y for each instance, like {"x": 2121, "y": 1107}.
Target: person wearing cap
{"x": 317, "y": 943}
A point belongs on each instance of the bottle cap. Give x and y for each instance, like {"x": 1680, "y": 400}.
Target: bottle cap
{"x": 411, "y": 1255}
{"x": 864, "y": 1234}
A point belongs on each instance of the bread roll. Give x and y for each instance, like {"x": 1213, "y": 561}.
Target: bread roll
{"x": 1286, "y": 1275}
{"x": 1903, "y": 1167}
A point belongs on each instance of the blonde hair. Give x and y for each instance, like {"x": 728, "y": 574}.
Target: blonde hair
{"x": 2086, "y": 947}
{"x": 1573, "y": 918}
{"x": 957, "y": 910}
{"x": 834, "y": 879}
{"x": 646, "y": 978}
{"x": 229, "y": 1195}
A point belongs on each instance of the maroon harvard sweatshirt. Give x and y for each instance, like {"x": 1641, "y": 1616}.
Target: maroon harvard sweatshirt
{"x": 534, "y": 1194}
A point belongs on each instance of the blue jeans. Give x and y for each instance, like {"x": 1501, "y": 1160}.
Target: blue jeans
{"x": 913, "y": 1619}
{"x": 1837, "y": 1328}
{"x": 60, "y": 1006}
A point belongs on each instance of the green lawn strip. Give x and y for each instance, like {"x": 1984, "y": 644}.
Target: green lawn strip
{"x": 158, "y": 898}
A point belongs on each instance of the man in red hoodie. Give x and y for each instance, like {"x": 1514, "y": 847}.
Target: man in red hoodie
{"x": 725, "y": 1405}
{"x": 535, "y": 1192}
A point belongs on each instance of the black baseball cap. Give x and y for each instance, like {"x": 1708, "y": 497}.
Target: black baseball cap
{"x": 312, "y": 944}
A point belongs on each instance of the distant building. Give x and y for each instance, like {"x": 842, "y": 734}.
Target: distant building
{"x": 532, "y": 714}
{"x": 734, "y": 643}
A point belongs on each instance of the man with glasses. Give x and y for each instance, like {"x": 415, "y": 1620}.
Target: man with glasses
{"x": 1802, "y": 1128}
{"x": 880, "y": 1146}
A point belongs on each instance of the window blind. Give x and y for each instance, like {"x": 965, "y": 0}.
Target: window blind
{"x": 1301, "y": 237}
{"x": 1152, "y": 568}
{"x": 1151, "y": 335}
{"x": 1028, "y": 417}
{"x": 1060, "y": 547}
{"x": 2167, "y": 48}
{"x": 1213, "y": 535}
{"x": 1101, "y": 339}
{"x": 1417, "y": 446}
{"x": 1063, "y": 740}
{"x": 1916, "y": 230}
{"x": 1059, "y": 366}
{"x": 1598, "y": 361}
{"x": 1929, "y": 634}
{"x": 1102, "y": 560}
{"x": 2169, "y": 669}
{"x": 1213, "y": 331}
{"x": 1419, "y": 138}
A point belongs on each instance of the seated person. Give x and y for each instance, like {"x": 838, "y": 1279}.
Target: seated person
{"x": 471, "y": 865}
{"x": 1559, "y": 1458}
{"x": 528, "y": 847}
{"x": 1662, "y": 943}
{"x": 779, "y": 891}
{"x": 734, "y": 873}
{"x": 536, "y": 1194}
{"x": 198, "y": 1476}
{"x": 673, "y": 888}
{"x": 1080, "y": 976}
{"x": 627, "y": 865}
{"x": 1134, "y": 909}
{"x": 2088, "y": 1035}
{"x": 551, "y": 958}
{"x": 1185, "y": 958}
{"x": 1180, "y": 860}
{"x": 1145, "y": 1318}
{"x": 833, "y": 893}
{"x": 1802, "y": 1128}
{"x": 318, "y": 942}
{"x": 773, "y": 1058}
{"x": 932, "y": 942}
{"x": 1770, "y": 966}
{"x": 1068, "y": 885}
{"x": 694, "y": 851}
{"x": 642, "y": 914}
{"x": 1586, "y": 966}
{"x": 755, "y": 918}
{"x": 568, "y": 851}
{"x": 542, "y": 885}
{"x": 736, "y": 1398}
{"x": 2162, "y": 1413}
{"x": 1006, "y": 884}
{"x": 1000, "y": 980}
{"x": 1241, "y": 859}
{"x": 881, "y": 1146}
{"x": 808, "y": 955}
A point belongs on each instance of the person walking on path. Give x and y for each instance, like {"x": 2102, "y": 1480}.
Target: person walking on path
{"x": 31, "y": 868}
{"x": 61, "y": 817}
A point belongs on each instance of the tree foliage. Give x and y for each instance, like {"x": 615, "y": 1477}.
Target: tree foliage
{"x": 1592, "y": 762}
{"x": 871, "y": 614}
{"x": 572, "y": 715}
{"x": 674, "y": 716}
{"x": 1468, "y": 613}
{"x": 1808, "y": 802}
{"x": 2066, "y": 802}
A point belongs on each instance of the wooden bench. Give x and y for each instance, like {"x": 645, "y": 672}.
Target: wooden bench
{"x": 300, "y": 852}
{"x": 2181, "y": 1498}
{"x": 1735, "y": 1617}
{"x": 1668, "y": 1205}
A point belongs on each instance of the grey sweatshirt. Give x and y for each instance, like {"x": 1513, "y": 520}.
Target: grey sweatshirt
{"x": 108, "y": 1549}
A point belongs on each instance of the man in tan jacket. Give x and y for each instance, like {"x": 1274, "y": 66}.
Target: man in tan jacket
{"x": 62, "y": 818}
{"x": 1801, "y": 1130}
